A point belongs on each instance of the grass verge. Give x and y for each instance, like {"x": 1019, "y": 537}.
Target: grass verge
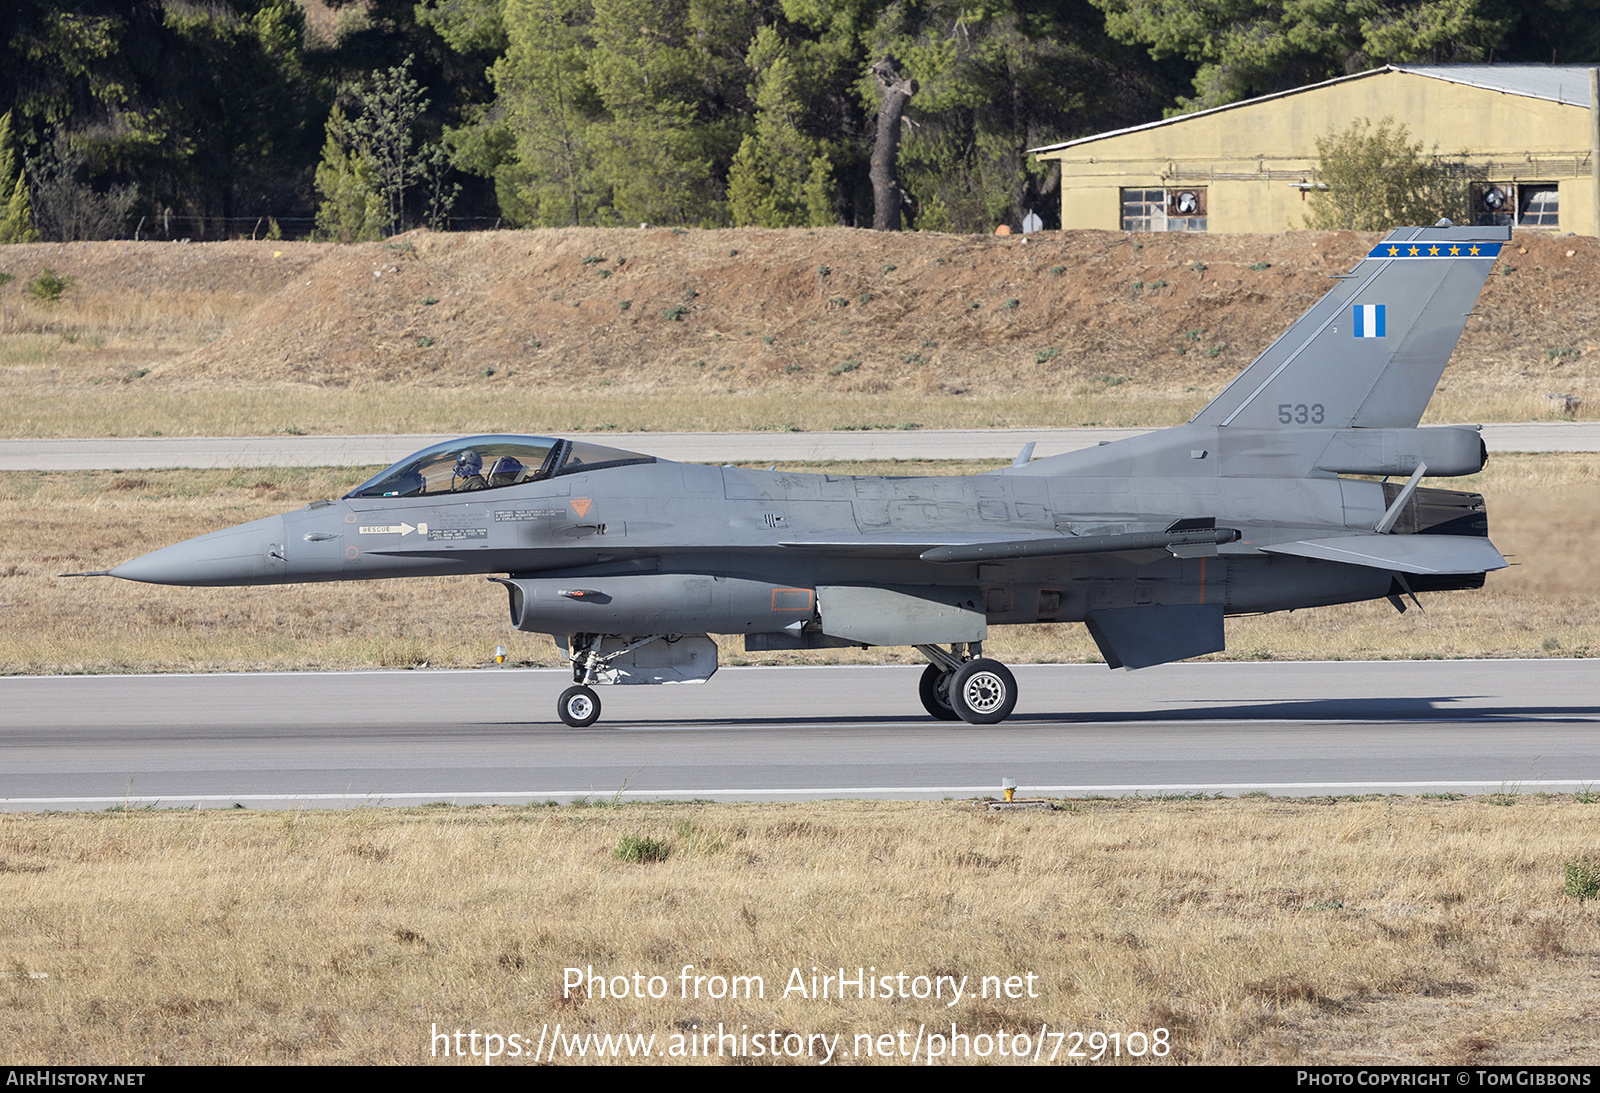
{"x": 1253, "y": 930}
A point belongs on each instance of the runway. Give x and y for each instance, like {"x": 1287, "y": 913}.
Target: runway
{"x": 348, "y": 739}
{"x": 154, "y": 453}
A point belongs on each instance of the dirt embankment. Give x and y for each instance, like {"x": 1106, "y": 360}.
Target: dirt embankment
{"x": 837, "y": 309}
{"x": 250, "y": 271}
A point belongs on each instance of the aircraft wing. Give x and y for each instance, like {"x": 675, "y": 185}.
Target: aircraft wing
{"x": 867, "y": 546}
{"x": 1405, "y": 553}
{"x": 1180, "y": 536}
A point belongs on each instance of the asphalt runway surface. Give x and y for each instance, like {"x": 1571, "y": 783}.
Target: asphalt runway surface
{"x": 154, "y": 453}
{"x": 350, "y": 739}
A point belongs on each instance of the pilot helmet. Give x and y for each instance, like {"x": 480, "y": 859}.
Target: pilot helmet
{"x": 469, "y": 463}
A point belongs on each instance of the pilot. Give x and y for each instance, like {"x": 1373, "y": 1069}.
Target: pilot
{"x": 469, "y": 472}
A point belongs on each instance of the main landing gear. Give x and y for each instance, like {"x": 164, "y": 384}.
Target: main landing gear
{"x": 966, "y": 685}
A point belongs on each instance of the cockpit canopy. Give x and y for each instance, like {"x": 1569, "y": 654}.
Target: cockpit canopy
{"x": 491, "y": 462}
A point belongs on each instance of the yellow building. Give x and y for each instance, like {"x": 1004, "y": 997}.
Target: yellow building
{"x": 1528, "y": 135}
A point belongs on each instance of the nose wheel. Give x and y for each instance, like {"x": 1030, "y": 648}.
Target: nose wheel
{"x": 578, "y": 706}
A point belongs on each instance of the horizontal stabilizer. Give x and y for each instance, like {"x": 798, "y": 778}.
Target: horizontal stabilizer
{"x": 1138, "y": 637}
{"x": 1403, "y": 553}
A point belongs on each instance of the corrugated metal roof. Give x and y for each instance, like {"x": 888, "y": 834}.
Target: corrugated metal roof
{"x": 1555, "y": 83}
{"x": 1568, "y": 84}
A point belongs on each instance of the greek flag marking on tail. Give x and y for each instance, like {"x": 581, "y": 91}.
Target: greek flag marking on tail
{"x": 1369, "y": 320}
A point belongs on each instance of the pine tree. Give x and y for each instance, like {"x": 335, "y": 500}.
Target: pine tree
{"x": 371, "y": 162}
{"x": 382, "y": 137}
{"x": 652, "y": 145}
{"x": 821, "y": 210}
{"x": 990, "y": 84}
{"x": 776, "y": 179}
{"x": 352, "y": 209}
{"x": 549, "y": 105}
{"x": 16, "y": 214}
{"x": 1253, "y": 47}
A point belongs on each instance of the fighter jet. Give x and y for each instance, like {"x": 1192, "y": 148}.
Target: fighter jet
{"x": 1297, "y": 486}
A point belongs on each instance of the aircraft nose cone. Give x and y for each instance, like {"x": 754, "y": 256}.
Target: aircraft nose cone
{"x": 251, "y": 553}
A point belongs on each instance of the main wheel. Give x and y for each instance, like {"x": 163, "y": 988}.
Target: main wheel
{"x": 578, "y": 707}
{"x": 983, "y": 692}
{"x": 935, "y": 693}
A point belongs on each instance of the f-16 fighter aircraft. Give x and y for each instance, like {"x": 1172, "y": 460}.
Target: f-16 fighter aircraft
{"x": 630, "y": 562}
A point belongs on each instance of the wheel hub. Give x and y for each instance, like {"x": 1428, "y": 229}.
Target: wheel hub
{"x": 984, "y": 692}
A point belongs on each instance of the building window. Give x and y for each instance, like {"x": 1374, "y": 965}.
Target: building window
{"x": 1538, "y": 206}
{"x": 1142, "y": 209}
{"x": 1518, "y": 204}
{"x": 1176, "y": 210}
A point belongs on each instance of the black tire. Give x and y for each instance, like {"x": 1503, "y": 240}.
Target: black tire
{"x": 983, "y": 692}
{"x": 579, "y": 707}
{"x": 935, "y": 693}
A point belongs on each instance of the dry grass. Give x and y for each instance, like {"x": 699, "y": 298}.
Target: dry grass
{"x": 519, "y": 330}
{"x": 86, "y": 324}
{"x": 118, "y": 406}
{"x": 130, "y": 305}
{"x": 125, "y": 408}
{"x": 1544, "y": 512}
{"x": 1393, "y": 930}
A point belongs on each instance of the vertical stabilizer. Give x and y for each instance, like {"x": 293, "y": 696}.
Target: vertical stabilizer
{"x": 1371, "y": 351}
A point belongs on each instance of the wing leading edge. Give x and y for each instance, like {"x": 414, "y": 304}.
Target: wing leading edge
{"x": 1182, "y": 537}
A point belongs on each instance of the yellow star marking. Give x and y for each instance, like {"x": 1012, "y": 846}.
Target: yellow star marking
{"x": 1394, "y": 252}
{"x": 1455, "y": 250}
{"x": 1415, "y": 251}
{"x": 1472, "y": 249}
{"x": 1434, "y": 250}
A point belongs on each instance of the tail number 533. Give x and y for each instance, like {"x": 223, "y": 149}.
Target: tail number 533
{"x": 1300, "y": 414}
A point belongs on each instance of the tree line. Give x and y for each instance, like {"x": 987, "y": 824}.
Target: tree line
{"x": 351, "y": 119}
